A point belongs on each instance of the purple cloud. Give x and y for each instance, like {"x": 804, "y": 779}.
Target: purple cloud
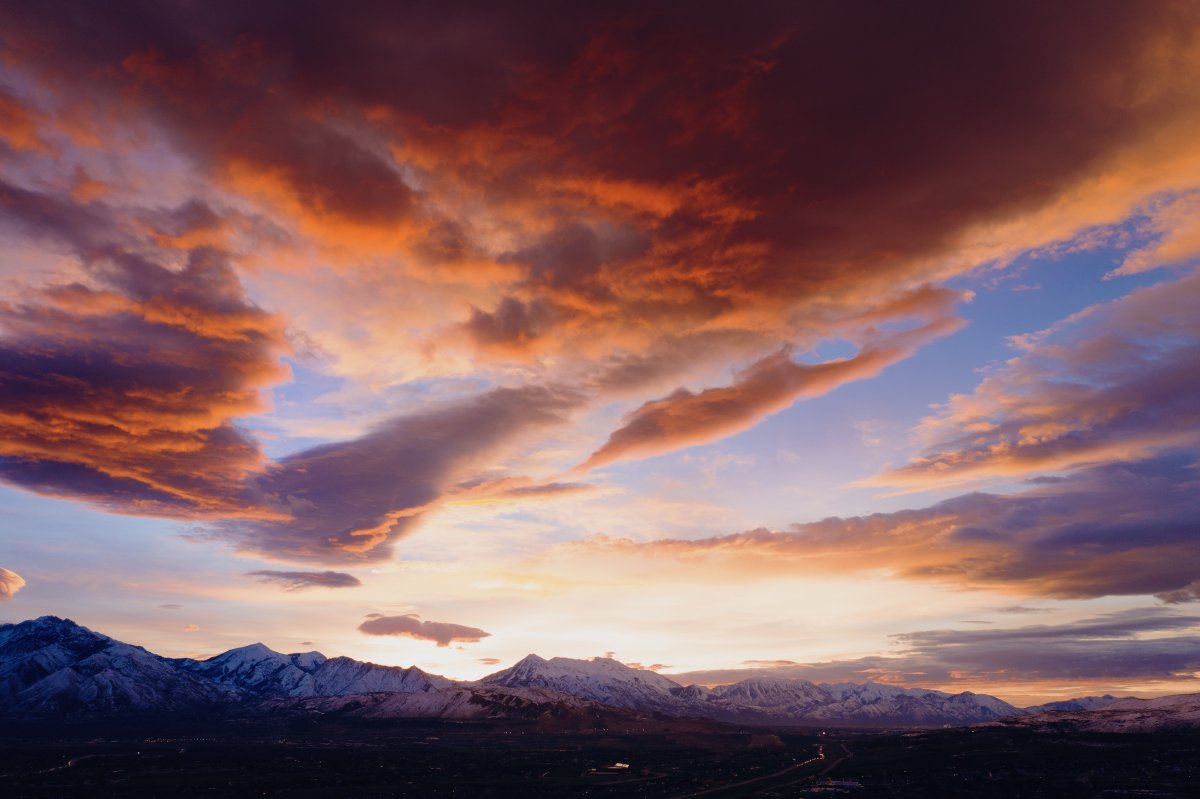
{"x": 1139, "y": 644}
{"x": 299, "y": 581}
{"x": 410, "y": 625}
{"x": 1124, "y": 528}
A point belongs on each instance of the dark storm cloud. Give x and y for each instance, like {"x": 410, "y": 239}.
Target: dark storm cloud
{"x": 678, "y": 167}
{"x": 411, "y": 626}
{"x": 512, "y": 325}
{"x": 299, "y": 581}
{"x": 1189, "y": 593}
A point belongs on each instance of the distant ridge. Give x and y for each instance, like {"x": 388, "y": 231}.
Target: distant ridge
{"x": 1162, "y": 714}
{"x": 260, "y": 671}
{"x": 55, "y": 668}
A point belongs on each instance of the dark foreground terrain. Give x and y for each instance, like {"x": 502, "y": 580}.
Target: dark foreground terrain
{"x": 447, "y": 759}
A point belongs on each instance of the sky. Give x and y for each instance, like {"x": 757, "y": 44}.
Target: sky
{"x": 844, "y": 341}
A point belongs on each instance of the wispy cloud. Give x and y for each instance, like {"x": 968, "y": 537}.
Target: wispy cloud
{"x": 1114, "y": 382}
{"x": 685, "y": 418}
{"x": 346, "y": 502}
{"x": 299, "y": 581}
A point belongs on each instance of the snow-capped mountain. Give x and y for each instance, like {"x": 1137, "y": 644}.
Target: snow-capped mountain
{"x": 54, "y": 667}
{"x": 50, "y": 667}
{"x": 1166, "y": 713}
{"x": 1081, "y": 703}
{"x": 847, "y": 703}
{"x": 261, "y": 671}
{"x": 546, "y": 710}
{"x": 601, "y": 680}
{"x": 768, "y": 696}
{"x": 763, "y": 699}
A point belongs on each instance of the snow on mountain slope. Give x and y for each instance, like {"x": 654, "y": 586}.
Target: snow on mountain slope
{"x": 1081, "y": 703}
{"x": 342, "y": 675}
{"x": 259, "y": 670}
{"x": 600, "y": 679}
{"x": 461, "y": 703}
{"x": 1166, "y": 713}
{"x": 765, "y": 699}
{"x": 545, "y": 709}
{"x": 798, "y": 698}
{"x": 49, "y": 666}
{"x": 849, "y": 703}
{"x": 53, "y": 667}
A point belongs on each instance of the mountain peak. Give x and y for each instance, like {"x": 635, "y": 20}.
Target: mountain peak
{"x": 255, "y": 650}
{"x": 49, "y": 623}
{"x": 600, "y": 679}
{"x": 45, "y": 630}
{"x": 531, "y": 660}
{"x": 52, "y": 666}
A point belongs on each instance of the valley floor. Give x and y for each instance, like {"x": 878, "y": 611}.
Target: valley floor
{"x": 460, "y": 760}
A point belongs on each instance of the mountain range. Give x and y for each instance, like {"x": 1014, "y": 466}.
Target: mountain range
{"x": 53, "y": 668}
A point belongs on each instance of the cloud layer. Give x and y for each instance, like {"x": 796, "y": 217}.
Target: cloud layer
{"x": 563, "y": 209}
{"x": 123, "y": 387}
{"x": 1125, "y": 528}
{"x": 1130, "y": 646}
{"x": 1097, "y": 415}
{"x": 411, "y": 626}
{"x": 607, "y": 177}
{"x": 1113, "y": 382}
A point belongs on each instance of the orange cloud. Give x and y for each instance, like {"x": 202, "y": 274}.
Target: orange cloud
{"x": 126, "y": 394}
{"x": 617, "y": 201}
{"x": 21, "y": 126}
{"x": 634, "y": 177}
{"x": 774, "y": 383}
{"x": 10, "y": 584}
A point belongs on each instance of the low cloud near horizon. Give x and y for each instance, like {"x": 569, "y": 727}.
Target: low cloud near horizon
{"x": 410, "y": 625}
{"x": 299, "y": 581}
{"x": 1145, "y": 644}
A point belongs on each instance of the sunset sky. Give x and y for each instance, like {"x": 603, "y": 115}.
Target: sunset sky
{"x": 846, "y": 341}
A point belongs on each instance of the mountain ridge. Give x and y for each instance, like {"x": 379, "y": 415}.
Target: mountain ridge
{"x": 55, "y": 667}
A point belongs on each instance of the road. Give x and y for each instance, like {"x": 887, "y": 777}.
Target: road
{"x": 782, "y": 772}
